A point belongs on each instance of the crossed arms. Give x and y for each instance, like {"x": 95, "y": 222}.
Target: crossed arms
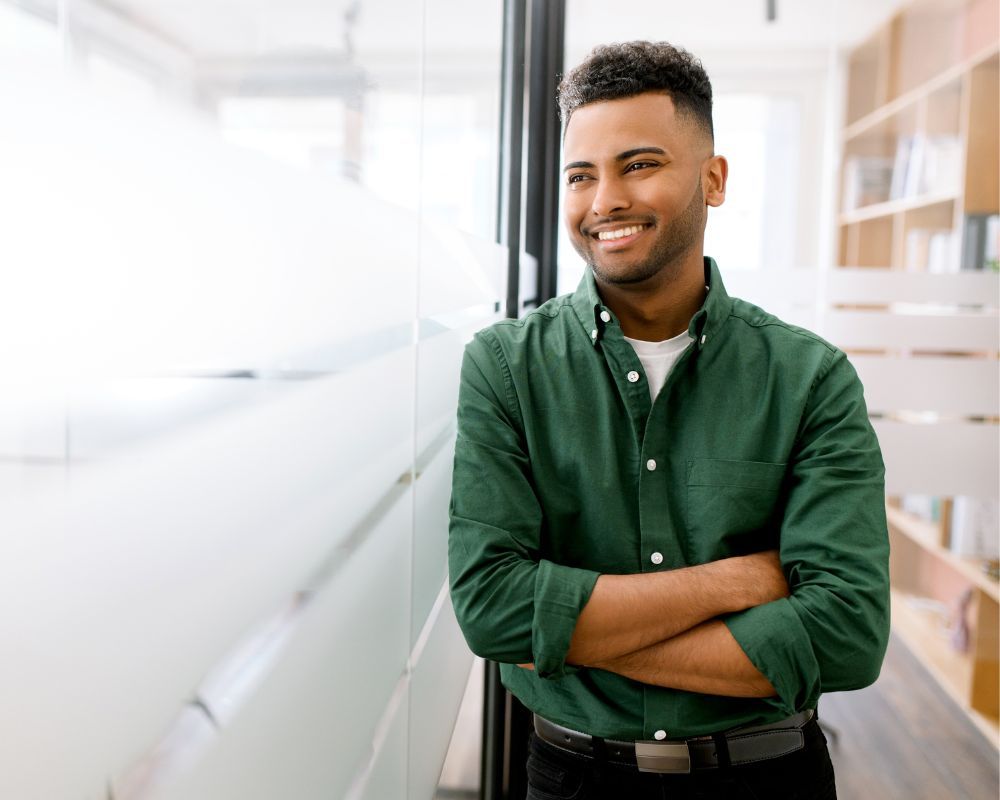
{"x": 623, "y": 629}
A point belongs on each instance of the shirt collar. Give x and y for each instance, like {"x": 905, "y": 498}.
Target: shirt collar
{"x": 704, "y": 324}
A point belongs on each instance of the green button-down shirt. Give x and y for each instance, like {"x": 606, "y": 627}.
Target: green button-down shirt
{"x": 760, "y": 439}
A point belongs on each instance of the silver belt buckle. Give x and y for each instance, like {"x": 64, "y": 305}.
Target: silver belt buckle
{"x": 663, "y": 757}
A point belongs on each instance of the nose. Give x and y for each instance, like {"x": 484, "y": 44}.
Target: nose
{"x": 609, "y": 196}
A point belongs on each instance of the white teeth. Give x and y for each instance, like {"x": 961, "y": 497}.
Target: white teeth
{"x": 619, "y": 233}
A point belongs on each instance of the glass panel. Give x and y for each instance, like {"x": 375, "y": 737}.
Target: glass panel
{"x": 161, "y": 561}
{"x": 436, "y": 687}
{"x": 212, "y": 250}
{"x": 430, "y": 547}
{"x": 387, "y": 778}
{"x": 461, "y": 114}
{"x": 29, "y": 38}
{"x": 308, "y": 729}
{"x": 460, "y": 775}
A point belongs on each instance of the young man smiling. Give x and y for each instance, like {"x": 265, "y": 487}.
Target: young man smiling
{"x": 667, "y": 517}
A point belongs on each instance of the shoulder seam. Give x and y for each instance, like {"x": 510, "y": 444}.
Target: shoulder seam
{"x": 541, "y": 311}
{"x": 793, "y": 329}
{"x": 508, "y": 381}
{"x": 824, "y": 369}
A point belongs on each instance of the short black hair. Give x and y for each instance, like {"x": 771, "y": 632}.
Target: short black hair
{"x": 616, "y": 71}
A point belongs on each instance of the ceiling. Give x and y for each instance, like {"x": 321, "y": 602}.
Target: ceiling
{"x": 718, "y": 25}
{"x": 240, "y": 28}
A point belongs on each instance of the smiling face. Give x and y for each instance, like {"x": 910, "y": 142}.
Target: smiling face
{"x": 638, "y": 179}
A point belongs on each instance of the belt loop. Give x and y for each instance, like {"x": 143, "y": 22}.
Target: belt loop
{"x": 722, "y": 750}
{"x": 600, "y": 753}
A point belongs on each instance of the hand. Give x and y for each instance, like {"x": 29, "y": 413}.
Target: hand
{"x": 527, "y": 666}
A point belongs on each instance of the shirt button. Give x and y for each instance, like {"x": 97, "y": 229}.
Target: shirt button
{"x": 593, "y": 334}
{"x": 656, "y": 558}
{"x": 633, "y": 376}
{"x": 660, "y": 735}
{"x": 651, "y": 464}
{"x": 605, "y": 316}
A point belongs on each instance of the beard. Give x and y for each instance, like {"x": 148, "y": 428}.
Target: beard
{"x": 672, "y": 241}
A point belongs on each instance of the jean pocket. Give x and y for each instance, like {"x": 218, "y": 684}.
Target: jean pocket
{"x": 550, "y": 781}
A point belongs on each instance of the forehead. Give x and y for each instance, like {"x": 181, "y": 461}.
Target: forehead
{"x": 609, "y": 127}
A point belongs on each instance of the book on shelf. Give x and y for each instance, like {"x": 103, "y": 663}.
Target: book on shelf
{"x": 941, "y": 252}
{"x": 900, "y": 166}
{"x": 930, "y": 250}
{"x": 941, "y": 165}
{"x": 867, "y": 180}
{"x": 926, "y": 165}
{"x": 991, "y": 251}
{"x": 974, "y": 528}
{"x": 917, "y": 245}
{"x": 979, "y": 242}
{"x": 914, "y": 167}
{"x": 923, "y": 506}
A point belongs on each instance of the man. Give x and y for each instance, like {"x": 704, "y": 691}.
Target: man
{"x": 668, "y": 518}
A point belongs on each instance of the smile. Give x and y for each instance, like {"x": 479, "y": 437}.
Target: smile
{"x": 620, "y": 233}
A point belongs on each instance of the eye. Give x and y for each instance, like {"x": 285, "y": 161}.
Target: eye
{"x": 577, "y": 178}
{"x": 637, "y": 165}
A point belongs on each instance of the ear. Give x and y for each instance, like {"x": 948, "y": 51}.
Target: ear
{"x": 714, "y": 173}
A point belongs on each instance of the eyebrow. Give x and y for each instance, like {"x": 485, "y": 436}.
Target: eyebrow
{"x": 636, "y": 151}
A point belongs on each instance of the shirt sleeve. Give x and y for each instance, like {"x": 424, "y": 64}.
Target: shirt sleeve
{"x": 512, "y": 605}
{"x": 831, "y": 633}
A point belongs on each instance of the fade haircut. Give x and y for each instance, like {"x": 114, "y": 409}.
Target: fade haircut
{"x": 616, "y": 71}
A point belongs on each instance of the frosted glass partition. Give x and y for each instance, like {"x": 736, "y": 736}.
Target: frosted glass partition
{"x": 240, "y": 267}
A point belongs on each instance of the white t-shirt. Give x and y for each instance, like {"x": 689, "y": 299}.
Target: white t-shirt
{"x": 658, "y": 358}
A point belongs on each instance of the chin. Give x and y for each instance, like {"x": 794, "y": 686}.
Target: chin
{"x": 623, "y": 277}
{"x": 623, "y": 274}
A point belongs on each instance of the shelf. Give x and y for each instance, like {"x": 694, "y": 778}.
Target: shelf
{"x": 926, "y": 535}
{"x": 921, "y": 632}
{"x": 890, "y": 207}
{"x": 910, "y": 98}
{"x": 918, "y": 159}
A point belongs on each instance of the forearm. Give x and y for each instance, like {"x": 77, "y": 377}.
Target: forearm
{"x": 627, "y": 613}
{"x": 706, "y": 659}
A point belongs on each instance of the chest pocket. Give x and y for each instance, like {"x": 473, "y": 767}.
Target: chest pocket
{"x": 733, "y": 507}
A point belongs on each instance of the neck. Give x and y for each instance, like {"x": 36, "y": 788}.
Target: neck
{"x": 661, "y": 307}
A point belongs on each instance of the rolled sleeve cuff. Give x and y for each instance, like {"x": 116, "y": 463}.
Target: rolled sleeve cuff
{"x": 560, "y": 595}
{"x": 775, "y": 641}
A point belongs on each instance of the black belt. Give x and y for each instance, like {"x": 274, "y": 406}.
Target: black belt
{"x": 744, "y": 745}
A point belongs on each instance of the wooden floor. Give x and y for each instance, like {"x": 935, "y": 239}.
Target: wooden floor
{"x": 904, "y": 739}
{"x": 901, "y": 739}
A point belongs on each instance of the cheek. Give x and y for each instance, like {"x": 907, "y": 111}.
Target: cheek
{"x": 575, "y": 209}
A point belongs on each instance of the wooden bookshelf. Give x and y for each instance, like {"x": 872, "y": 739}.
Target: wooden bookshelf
{"x": 920, "y": 138}
{"x": 928, "y": 536}
{"x": 929, "y": 583}
{"x": 919, "y": 155}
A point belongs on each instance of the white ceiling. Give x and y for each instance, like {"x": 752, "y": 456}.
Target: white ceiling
{"x": 720, "y": 25}
{"x": 237, "y": 28}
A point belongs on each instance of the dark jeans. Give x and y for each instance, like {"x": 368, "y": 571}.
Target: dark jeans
{"x": 806, "y": 774}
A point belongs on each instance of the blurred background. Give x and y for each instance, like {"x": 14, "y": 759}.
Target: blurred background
{"x": 243, "y": 246}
